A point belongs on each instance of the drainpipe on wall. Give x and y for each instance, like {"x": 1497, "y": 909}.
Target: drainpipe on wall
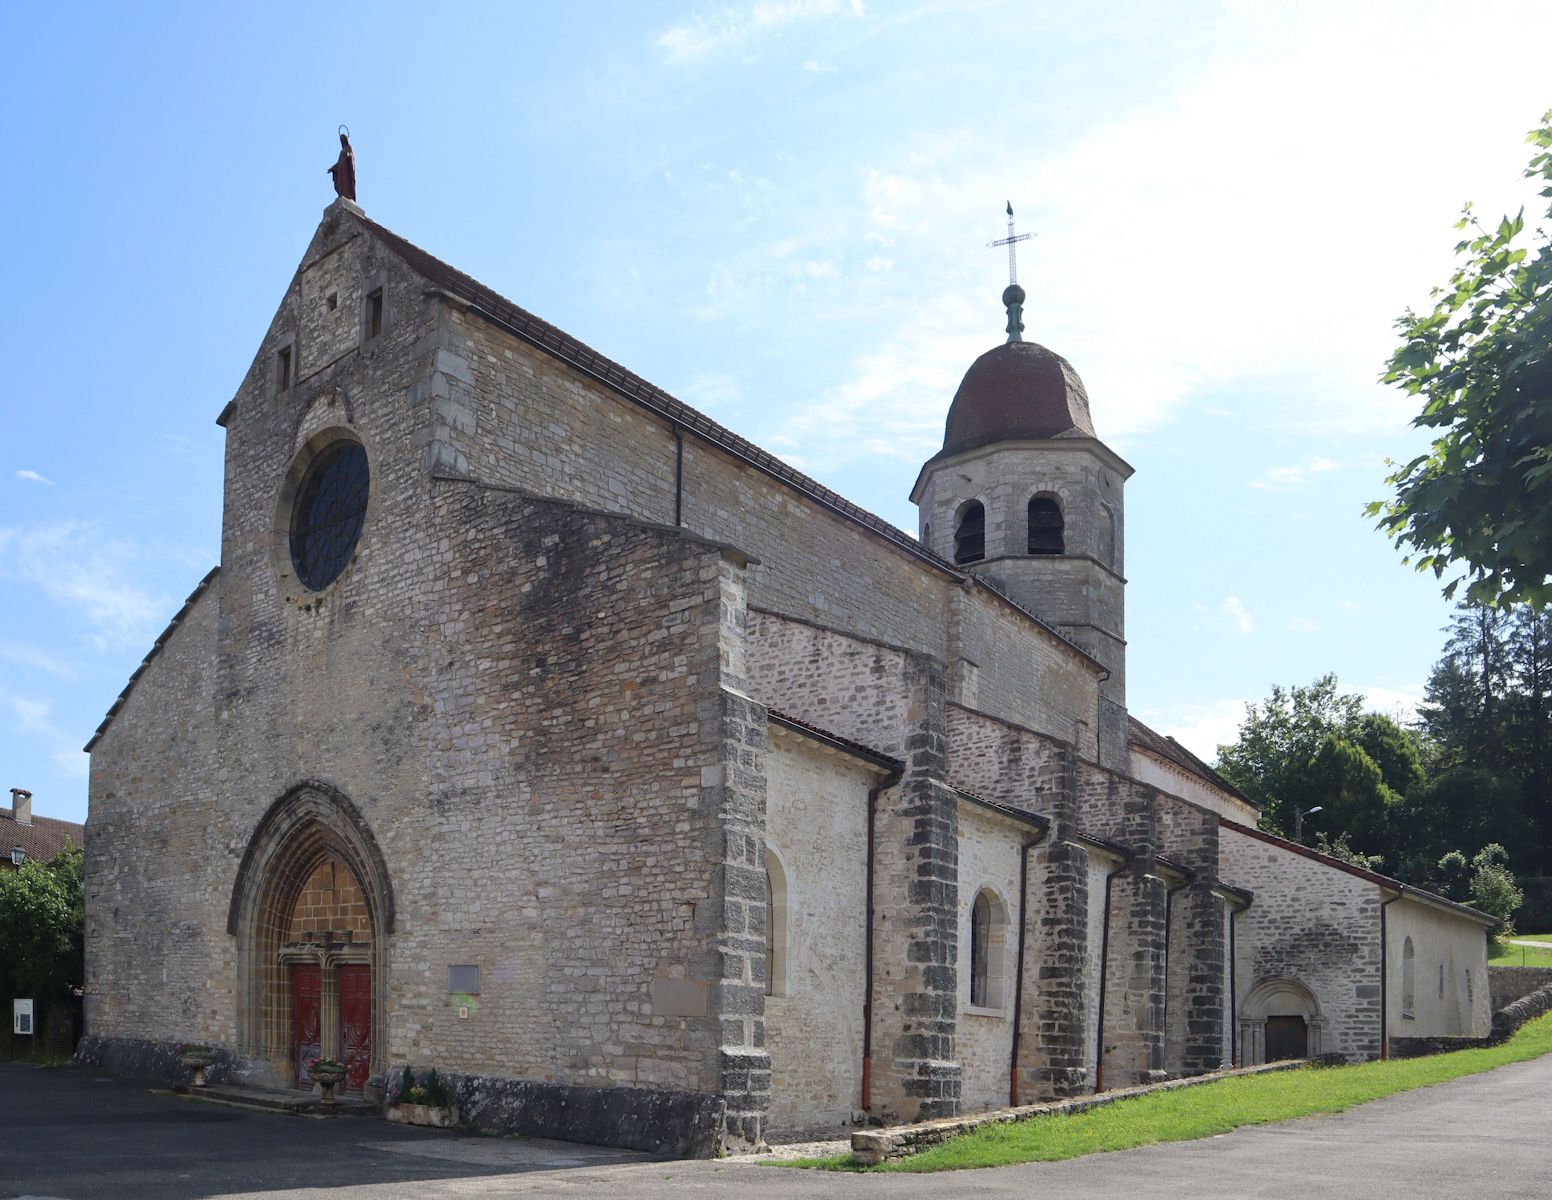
{"x": 884, "y": 785}
{"x": 1104, "y": 971}
{"x": 1384, "y": 980}
{"x": 1233, "y": 996}
{"x": 1018, "y": 977}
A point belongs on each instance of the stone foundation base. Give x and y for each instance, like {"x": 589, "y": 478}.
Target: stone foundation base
{"x": 156, "y": 1062}
{"x": 680, "y": 1124}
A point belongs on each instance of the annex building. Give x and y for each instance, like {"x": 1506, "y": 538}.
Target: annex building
{"x": 537, "y": 728}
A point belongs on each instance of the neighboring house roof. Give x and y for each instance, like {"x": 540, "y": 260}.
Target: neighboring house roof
{"x": 1423, "y": 895}
{"x": 43, "y": 839}
{"x": 1153, "y": 742}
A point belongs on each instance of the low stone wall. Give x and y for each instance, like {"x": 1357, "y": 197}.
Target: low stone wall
{"x": 679, "y": 1124}
{"x": 1419, "y": 1047}
{"x": 1508, "y": 984}
{"x": 155, "y": 1062}
{"x": 1507, "y": 1020}
{"x": 869, "y": 1147}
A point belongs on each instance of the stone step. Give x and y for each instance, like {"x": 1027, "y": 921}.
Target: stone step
{"x": 286, "y": 1100}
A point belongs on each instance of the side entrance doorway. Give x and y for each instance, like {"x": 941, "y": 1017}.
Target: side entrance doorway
{"x": 1286, "y": 1037}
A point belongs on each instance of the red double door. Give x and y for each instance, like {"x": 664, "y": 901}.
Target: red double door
{"x": 353, "y": 988}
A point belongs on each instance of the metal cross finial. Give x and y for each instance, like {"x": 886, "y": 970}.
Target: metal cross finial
{"x": 1011, "y": 242}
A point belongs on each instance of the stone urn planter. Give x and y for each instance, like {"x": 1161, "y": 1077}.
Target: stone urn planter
{"x": 434, "y": 1116}
{"x": 198, "y": 1059}
{"x": 328, "y": 1074}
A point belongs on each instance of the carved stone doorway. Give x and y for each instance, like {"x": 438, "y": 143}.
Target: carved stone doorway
{"x": 312, "y": 910}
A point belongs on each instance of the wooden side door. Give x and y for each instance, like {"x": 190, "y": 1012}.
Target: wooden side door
{"x": 306, "y": 1018}
{"x": 1286, "y": 1037}
{"x": 355, "y": 1023}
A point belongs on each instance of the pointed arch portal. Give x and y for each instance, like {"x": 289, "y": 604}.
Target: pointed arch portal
{"x": 307, "y": 984}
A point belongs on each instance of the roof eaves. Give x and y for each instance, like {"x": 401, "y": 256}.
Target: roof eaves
{"x": 834, "y": 740}
{"x": 1410, "y": 891}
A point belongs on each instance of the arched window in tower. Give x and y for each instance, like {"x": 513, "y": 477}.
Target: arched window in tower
{"x": 1107, "y": 536}
{"x": 1408, "y": 979}
{"x": 970, "y": 536}
{"x": 1045, "y": 526}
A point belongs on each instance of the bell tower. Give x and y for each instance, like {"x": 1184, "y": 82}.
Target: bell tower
{"x": 1025, "y": 495}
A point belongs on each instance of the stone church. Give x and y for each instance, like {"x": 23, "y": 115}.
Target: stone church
{"x": 537, "y": 728}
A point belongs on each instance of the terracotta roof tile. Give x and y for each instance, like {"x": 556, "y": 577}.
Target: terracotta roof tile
{"x": 43, "y": 839}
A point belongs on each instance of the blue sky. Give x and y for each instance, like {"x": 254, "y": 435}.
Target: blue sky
{"x": 779, "y": 212}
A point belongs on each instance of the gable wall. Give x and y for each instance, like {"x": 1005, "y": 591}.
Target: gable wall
{"x": 1315, "y": 924}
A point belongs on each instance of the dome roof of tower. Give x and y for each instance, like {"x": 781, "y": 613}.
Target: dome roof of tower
{"x": 1016, "y": 391}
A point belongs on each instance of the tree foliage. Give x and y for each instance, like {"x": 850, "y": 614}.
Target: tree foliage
{"x": 1314, "y": 746}
{"x": 1481, "y": 498}
{"x": 42, "y": 920}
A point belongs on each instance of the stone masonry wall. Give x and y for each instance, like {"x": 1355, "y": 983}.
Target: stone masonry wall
{"x": 1313, "y": 924}
{"x": 521, "y": 418}
{"x": 152, "y": 930}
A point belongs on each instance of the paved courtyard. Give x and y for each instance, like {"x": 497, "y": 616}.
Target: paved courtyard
{"x": 73, "y": 1135}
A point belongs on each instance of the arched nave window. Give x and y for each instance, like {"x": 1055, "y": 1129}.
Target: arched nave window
{"x": 775, "y": 925}
{"x": 1408, "y": 978}
{"x": 988, "y": 920}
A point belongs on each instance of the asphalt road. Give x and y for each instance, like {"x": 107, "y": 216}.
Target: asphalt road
{"x": 76, "y": 1136}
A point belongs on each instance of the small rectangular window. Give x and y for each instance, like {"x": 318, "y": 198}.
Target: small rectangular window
{"x": 374, "y": 314}
{"x": 463, "y": 980}
{"x": 283, "y": 369}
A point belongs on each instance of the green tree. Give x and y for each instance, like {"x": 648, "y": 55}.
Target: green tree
{"x": 1342, "y": 849}
{"x": 1481, "y": 499}
{"x": 1493, "y": 889}
{"x": 1309, "y": 746}
{"x": 42, "y": 922}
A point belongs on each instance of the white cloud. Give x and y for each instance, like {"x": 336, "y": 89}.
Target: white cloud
{"x": 1201, "y": 728}
{"x": 29, "y": 655}
{"x": 711, "y": 389}
{"x": 1234, "y": 608}
{"x": 733, "y": 29}
{"x": 75, "y": 564}
{"x": 30, "y": 716}
{"x": 33, "y": 477}
{"x": 1400, "y": 703}
{"x": 1287, "y": 479}
{"x": 814, "y": 67}
{"x": 1303, "y": 625}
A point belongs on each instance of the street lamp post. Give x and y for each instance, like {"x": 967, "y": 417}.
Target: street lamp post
{"x": 1298, "y": 820}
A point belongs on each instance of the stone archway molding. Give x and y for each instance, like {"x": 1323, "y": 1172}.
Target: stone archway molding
{"x": 313, "y": 800}
{"x": 312, "y": 822}
{"x": 1277, "y": 997}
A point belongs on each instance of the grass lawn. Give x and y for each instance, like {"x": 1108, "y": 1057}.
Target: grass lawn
{"x": 1507, "y": 955}
{"x": 1203, "y": 1111}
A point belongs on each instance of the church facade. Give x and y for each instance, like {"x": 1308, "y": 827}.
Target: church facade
{"x": 539, "y": 729}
